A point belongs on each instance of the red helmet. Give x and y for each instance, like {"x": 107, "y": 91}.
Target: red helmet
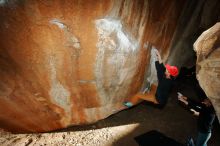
{"x": 173, "y": 70}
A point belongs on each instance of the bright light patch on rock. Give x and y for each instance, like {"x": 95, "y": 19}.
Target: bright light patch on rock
{"x": 116, "y": 60}
{"x": 153, "y": 73}
{"x": 60, "y": 96}
{"x": 58, "y": 92}
{"x": 110, "y": 32}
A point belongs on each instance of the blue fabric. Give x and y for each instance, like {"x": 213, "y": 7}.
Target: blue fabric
{"x": 203, "y": 138}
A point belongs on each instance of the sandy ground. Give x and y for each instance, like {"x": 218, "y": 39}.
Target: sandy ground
{"x": 120, "y": 129}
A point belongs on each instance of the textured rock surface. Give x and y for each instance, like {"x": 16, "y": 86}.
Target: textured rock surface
{"x": 71, "y": 62}
{"x": 207, "y": 48}
{"x": 197, "y": 16}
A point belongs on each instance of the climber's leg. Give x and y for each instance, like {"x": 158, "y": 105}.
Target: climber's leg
{"x": 150, "y": 96}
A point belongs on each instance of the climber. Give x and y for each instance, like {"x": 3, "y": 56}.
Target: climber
{"x": 157, "y": 94}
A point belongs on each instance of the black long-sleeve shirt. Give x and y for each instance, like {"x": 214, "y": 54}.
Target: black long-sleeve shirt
{"x": 206, "y": 116}
{"x": 164, "y": 84}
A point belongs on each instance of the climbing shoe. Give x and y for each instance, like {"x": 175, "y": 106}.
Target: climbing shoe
{"x": 128, "y": 104}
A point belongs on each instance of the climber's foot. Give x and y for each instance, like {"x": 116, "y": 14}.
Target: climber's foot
{"x": 128, "y": 104}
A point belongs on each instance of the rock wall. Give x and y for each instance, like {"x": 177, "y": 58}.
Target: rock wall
{"x": 72, "y": 62}
{"x": 207, "y": 48}
{"x": 196, "y": 17}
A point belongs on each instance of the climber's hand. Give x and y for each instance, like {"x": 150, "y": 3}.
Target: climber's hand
{"x": 195, "y": 113}
{"x": 158, "y": 54}
{"x": 182, "y": 98}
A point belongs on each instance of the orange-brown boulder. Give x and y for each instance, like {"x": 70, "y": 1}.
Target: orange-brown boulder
{"x": 73, "y": 62}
